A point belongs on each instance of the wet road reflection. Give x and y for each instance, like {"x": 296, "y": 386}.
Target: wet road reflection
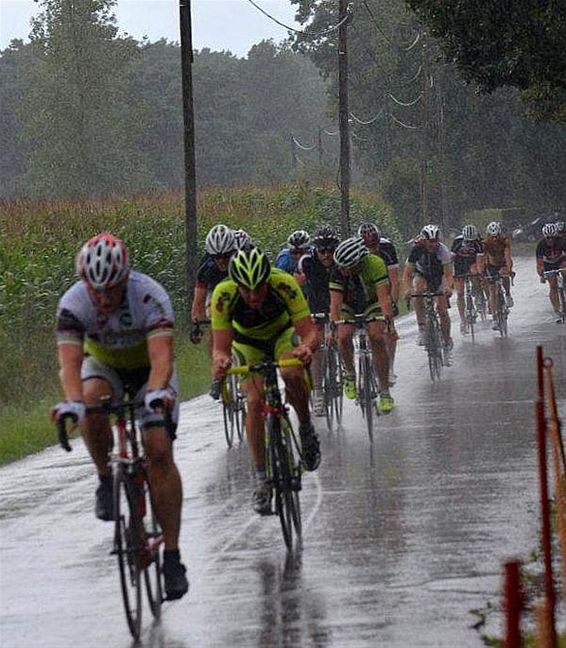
{"x": 401, "y": 540}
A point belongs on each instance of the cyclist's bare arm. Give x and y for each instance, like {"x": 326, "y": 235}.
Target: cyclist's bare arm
{"x": 407, "y": 280}
{"x": 508, "y": 259}
{"x": 384, "y": 299}
{"x": 160, "y": 351}
{"x": 394, "y": 280}
{"x": 198, "y": 310}
{"x": 70, "y": 362}
{"x": 308, "y": 332}
{"x": 448, "y": 277}
{"x": 221, "y": 352}
{"x": 336, "y": 299}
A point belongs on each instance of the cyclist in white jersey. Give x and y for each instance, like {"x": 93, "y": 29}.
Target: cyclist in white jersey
{"x": 115, "y": 336}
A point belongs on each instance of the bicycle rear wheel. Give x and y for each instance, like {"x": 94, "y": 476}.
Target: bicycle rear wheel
{"x": 127, "y": 546}
{"x": 152, "y": 562}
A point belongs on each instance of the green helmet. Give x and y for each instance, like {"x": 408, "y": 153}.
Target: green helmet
{"x": 249, "y": 268}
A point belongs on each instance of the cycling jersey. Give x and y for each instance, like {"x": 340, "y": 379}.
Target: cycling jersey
{"x": 430, "y": 265}
{"x": 120, "y": 338}
{"x": 283, "y": 305}
{"x": 286, "y": 261}
{"x": 464, "y": 254}
{"x": 495, "y": 247}
{"x": 551, "y": 252}
{"x": 209, "y": 274}
{"x": 317, "y": 277}
{"x": 387, "y": 252}
{"x": 359, "y": 291}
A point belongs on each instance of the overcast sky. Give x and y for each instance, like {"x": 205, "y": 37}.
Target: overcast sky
{"x": 233, "y": 25}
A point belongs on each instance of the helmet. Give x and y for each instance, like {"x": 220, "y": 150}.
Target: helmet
{"x": 242, "y": 239}
{"x": 249, "y": 268}
{"x": 470, "y": 233}
{"x": 494, "y": 228}
{"x": 220, "y": 240}
{"x": 560, "y": 227}
{"x": 549, "y": 230}
{"x": 350, "y": 252}
{"x": 299, "y": 239}
{"x": 430, "y": 232}
{"x": 367, "y": 230}
{"x": 103, "y": 261}
{"x": 326, "y": 237}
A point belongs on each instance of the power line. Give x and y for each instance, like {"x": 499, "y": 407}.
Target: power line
{"x": 300, "y": 31}
{"x": 302, "y": 146}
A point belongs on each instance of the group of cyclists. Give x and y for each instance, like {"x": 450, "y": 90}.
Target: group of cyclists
{"x": 115, "y": 333}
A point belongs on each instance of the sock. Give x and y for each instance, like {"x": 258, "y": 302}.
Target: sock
{"x": 260, "y": 475}
{"x": 171, "y": 555}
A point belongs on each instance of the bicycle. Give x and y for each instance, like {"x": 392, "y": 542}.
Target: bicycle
{"x": 437, "y": 355}
{"x": 366, "y": 383}
{"x": 471, "y": 313}
{"x": 138, "y": 539}
{"x": 332, "y": 373}
{"x": 561, "y": 287}
{"x": 501, "y": 313}
{"x": 282, "y": 466}
{"x": 233, "y": 400}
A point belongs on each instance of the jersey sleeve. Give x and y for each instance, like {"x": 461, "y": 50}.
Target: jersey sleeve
{"x": 159, "y": 316}
{"x": 290, "y": 291}
{"x": 376, "y": 271}
{"x": 222, "y": 296}
{"x": 70, "y": 324}
{"x": 336, "y": 281}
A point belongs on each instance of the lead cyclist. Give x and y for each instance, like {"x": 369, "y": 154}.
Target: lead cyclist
{"x": 115, "y": 336}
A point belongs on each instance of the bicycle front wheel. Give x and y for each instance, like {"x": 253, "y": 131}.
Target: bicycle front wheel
{"x": 228, "y": 395}
{"x": 562, "y": 303}
{"x": 370, "y": 394}
{"x": 338, "y": 395}
{"x": 434, "y": 349}
{"x": 328, "y": 387}
{"x": 128, "y": 545}
{"x": 152, "y": 557}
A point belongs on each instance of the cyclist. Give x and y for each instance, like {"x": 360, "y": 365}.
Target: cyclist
{"x": 115, "y": 336}
{"x": 497, "y": 248}
{"x": 359, "y": 284}
{"x": 315, "y": 268}
{"x": 220, "y": 244}
{"x": 260, "y": 311}
{"x": 467, "y": 255}
{"x": 551, "y": 255}
{"x": 384, "y": 248}
{"x": 429, "y": 269}
{"x": 298, "y": 244}
{"x": 561, "y": 228}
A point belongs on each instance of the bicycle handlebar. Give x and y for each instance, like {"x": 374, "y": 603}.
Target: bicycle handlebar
{"x": 62, "y": 433}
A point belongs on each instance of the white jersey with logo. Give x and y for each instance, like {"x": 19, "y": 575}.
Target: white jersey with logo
{"x": 119, "y": 339}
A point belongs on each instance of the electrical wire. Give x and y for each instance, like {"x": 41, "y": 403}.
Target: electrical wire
{"x": 329, "y": 133}
{"x": 302, "y": 32}
{"x": 366, "y": 123}
{"x": 301, "y": 146}
{"x": 403, "y": 103}
{"x": 398, "y": 121}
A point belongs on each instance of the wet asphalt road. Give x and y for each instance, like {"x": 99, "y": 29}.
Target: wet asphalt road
{"x": 401, "y": 540}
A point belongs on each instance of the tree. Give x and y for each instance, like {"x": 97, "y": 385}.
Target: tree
{"x": 518, "y": 43}
{"x": 77, "y": 101}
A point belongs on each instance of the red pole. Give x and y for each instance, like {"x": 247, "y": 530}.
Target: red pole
{"x": 544, "y": 504}
{"x": 513, "y": 604}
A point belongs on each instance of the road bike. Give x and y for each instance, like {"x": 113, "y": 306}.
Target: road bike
{"x": 283, "y": 461}
{"x": 436, "y": 352}
{"x": 232, "y": 397}
{"x": 470, "y": 310}
{"x": 138, "y": 540}
{"x": 332, "y": 373}
{"x": 501, "y": 313}
{"x": 561, "y": 287}
{"x": 367, "y": 386}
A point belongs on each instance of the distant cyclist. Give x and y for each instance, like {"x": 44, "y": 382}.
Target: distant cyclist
{"x": 220, "y": 244}
{"x": 429, "y": 269}
{"x": 561, "y": 229}
{"x": 467, "y": 255}
{"x": 551, "y": 255}
{"x": 360, "y": 284}
{"x": 315, "y": 268}
{"x": 498, "y": 262}
{"x": 383, "y": 247}
{"x": 261, "y": 311}
{"x": 298, "y": 243}
{"x": 243, "y": 240}
{"x": 115, "y": 337}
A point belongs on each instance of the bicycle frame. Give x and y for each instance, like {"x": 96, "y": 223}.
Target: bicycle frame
{"x": 561, "y": 288}
{"x": 433, "y": 345}
{"x": 331, "y": 372}
{"x": 501, "y": 310}
{"x": 470, "y": 311}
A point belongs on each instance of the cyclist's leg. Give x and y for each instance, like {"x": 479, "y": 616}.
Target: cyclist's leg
{"x": 377, "y": 338}
{"x": 552, "y": 287}
{"x": 445, "y": 325}
{"x": 491, "y": 272}
{"x": 459, "y": 283}
{"x": 344, "y": 337}
{"x": 420, "y": 285}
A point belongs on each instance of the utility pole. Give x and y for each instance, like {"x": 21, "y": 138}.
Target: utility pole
{"x": 191, "y": 225}
{"x": 425, "y": 144}
{"x": 343, "y": 119}
{"x": 320, "y": 149}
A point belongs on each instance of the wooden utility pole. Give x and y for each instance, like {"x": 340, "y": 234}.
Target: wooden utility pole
{"x": 425, "y": 143}
{"x": 191, "y": 225}
{"x": 343, "y": 119}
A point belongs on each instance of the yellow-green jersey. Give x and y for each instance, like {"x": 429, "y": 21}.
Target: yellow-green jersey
{"x": 360, "y": 290}
{"x": 283, "y": 305}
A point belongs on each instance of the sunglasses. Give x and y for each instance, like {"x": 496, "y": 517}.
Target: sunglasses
{"x": 222, "y": 257}
{"x": 326, "y": 250}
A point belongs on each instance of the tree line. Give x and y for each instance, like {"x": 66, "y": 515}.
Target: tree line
{"x": 87, "y": 111}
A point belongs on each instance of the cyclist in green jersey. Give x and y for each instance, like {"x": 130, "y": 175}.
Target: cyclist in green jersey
{"x": 360, "y": 284}
{"x": 261, "y": 311}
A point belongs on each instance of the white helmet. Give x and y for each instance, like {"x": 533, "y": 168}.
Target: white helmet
{"x": 103, "y": 261}
{"x": 220, "y": 240}
{"x": 431, "y": 232}
{"x": 366, "y": 230}
{"x": 549, "y": 230}
{"x": 494, "y": 228}
{"x": 560, "y": 227}
{"x": 470, "y": 233}
{"x": 350, "y": 252}
{"x": 299, "y": 239}
{"x": 242, "y": 239}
